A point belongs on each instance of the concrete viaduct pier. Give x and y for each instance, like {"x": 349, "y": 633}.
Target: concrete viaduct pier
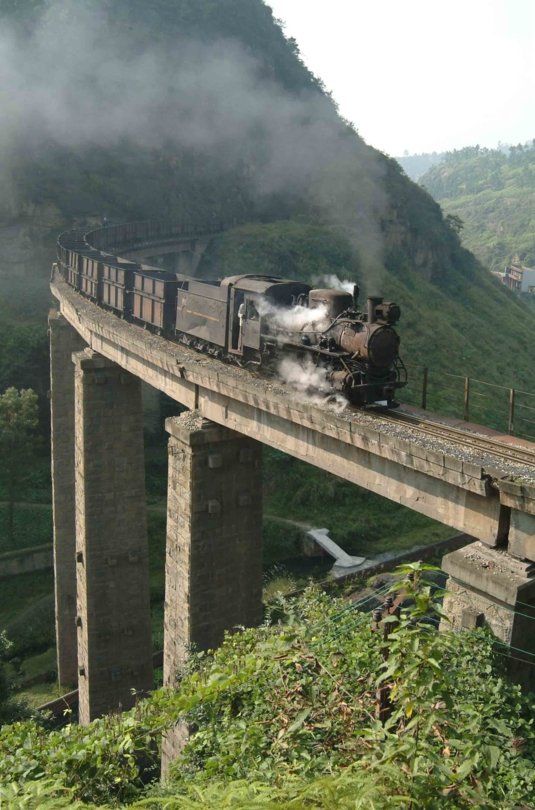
{"x": 213, "y": 573}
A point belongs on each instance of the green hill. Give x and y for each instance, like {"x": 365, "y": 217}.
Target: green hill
{"x": 493, "y": 193}
{"x": 202, "y": 110}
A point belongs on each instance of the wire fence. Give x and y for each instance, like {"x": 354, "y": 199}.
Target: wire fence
{"x": 509, "y": 410}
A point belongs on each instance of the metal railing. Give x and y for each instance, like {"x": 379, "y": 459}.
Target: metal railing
{"x": 509, "y": 410}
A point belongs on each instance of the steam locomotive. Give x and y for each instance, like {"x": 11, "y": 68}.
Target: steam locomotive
{"x": 251, "y": 320}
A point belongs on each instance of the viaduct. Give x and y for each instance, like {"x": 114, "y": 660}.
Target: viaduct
{"x": 214, "y": 506}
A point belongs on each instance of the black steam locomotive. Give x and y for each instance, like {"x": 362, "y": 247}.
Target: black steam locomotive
{"x": 252, "y": 320}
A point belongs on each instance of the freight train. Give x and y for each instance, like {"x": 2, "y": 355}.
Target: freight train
{"x": 251, "y": 320}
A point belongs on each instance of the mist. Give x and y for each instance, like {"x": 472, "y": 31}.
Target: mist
{"x": 76, "y": 83}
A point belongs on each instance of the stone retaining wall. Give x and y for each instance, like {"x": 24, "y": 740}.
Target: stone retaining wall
{"x": 26, "y": 560}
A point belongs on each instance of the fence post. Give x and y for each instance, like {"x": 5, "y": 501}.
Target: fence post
{"x": 510, "y": 428}
{"x": 466, "y": 398}
{"x": 424, "y": 390}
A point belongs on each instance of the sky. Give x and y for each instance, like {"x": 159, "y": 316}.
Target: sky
{"x": 422, "y": 75}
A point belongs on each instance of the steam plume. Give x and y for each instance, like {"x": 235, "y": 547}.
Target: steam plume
{"x": 310, "y": 382}
{"x": 332, "y": 282}
{"x": 79, "y": 82}
{"x": 294, "y": 319}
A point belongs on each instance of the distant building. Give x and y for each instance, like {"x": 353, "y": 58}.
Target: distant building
{"x": 518, "y": 278}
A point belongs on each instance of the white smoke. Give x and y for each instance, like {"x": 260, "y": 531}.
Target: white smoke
{"x": 310, "y": 382}
{"x": 304, "y": 377}
{"x": 80, "y": 82}
{"x": 332, "y": 282}
{"x": 294, "y": 319}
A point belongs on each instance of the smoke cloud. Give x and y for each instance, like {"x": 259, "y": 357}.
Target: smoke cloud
{"x": 76, "y": 82}
{"x": 302, "y": 374}
{"x": 294, "y": 319}
{"x": 332, "y": 282}
{"x": 310, "y": 382}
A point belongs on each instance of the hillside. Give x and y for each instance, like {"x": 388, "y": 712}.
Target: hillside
{"x": 205, "y": 112}
{"x": 202, "y": 110}
{"x": 493, "y": 192}
{"x": 415, "y": 166}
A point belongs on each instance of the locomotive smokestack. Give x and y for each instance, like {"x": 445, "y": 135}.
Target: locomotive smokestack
{"x": 356, "y": 293}
{"x": 373, "y": 302}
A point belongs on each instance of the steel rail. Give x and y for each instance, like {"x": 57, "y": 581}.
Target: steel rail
{"x": 483, "y": 444}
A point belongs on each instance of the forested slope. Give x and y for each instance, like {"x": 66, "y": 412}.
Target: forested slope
{"x": 493, "y": 192}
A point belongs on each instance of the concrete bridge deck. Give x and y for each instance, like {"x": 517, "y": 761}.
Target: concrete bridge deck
{"x": 488, "y": 498}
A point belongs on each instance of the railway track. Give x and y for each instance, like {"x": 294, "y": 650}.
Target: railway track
{"x": 467, "y": 438}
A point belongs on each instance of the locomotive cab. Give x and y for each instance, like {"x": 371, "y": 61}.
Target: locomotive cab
{"x": 245, "y": 323}
{"x": 250, "y": 300}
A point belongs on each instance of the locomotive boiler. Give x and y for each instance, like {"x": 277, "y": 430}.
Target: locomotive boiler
{"x": 251, "y": 320}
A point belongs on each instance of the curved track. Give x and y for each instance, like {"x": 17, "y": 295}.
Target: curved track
{"x": 110, "y": 241}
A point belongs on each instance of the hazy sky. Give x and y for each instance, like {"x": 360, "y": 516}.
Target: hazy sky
{"x": 423, "y": 75}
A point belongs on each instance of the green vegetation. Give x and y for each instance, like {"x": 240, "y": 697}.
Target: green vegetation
{"x": 10, "y": 708}
{"x": 493, "y": 193}
{"x": 32, "y": 526}
{"x": 285, "y": 716}
{"x": 362, "y": 522}
{"x": 18, "y": 422}
{"x": 288, "y": 248}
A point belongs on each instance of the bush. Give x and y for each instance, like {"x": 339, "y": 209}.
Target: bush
{"x": 285, "y": 716}
{"x": 280, "y": 541}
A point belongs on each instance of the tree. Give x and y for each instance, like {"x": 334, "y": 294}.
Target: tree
{"x": 18, "y": 421}
{"x": 454, "y": 222}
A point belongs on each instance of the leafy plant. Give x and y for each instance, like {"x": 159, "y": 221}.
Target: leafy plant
{"x": 286, "y": 716}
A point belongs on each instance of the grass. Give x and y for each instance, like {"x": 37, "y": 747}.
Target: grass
{"x": 35, "y": 665}
{"x": 40, "y": 693}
